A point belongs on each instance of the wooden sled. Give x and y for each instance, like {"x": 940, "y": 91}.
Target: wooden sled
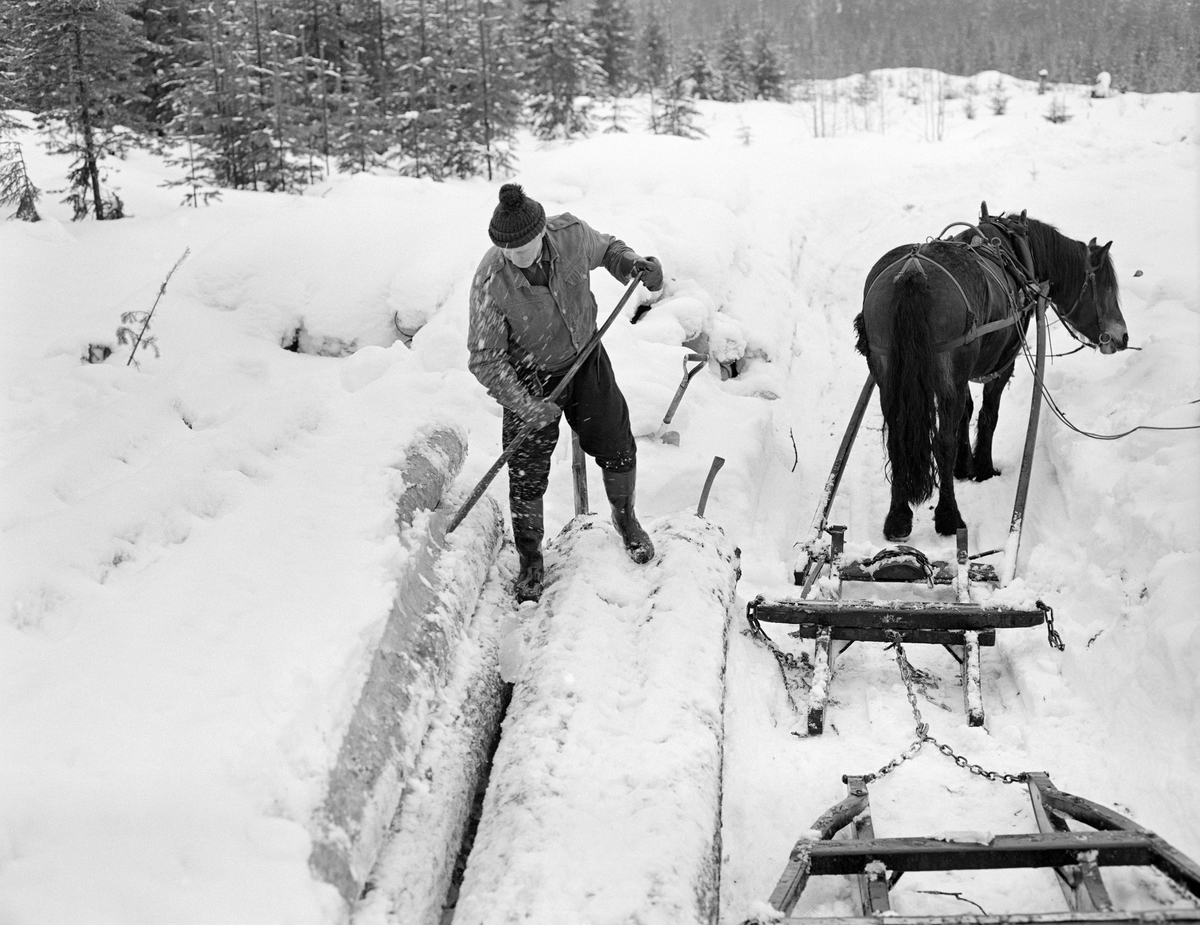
{"x": 962, "y": 625}
{"x": 1075, "y": 855}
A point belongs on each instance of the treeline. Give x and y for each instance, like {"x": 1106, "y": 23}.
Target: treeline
{"x": 1149, "y": 46}
{"x": 275, "y": 94}
{"x": 260, "y": 95}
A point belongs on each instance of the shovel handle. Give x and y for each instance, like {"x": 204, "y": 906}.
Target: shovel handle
{"x": 700, "y": 360}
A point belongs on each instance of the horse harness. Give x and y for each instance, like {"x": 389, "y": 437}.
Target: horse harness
{"x": 994, "y": 259}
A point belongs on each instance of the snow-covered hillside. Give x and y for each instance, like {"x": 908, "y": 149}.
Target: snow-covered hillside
{"x": 199, "y": 551}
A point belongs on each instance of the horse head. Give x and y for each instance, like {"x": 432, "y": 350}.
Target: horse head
{"x": 1083, "y": 285}
{"x": 1094, "y": 317}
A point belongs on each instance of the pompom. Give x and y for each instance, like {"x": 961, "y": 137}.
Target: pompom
{"x": 512, "y": 196}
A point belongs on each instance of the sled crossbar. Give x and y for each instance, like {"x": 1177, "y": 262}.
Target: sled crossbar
{"x": 893, "y": 615}
{"x": 1075, "y": 855}
{"x": 1005, "y": 851}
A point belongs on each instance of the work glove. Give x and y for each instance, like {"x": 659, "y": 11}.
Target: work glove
{"x": 543, "y": 414}
{"x": 651, "y": 270}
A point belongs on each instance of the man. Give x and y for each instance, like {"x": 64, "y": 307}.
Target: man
{"x": 532, "y": 312}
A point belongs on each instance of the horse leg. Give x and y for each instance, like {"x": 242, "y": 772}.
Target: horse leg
{"x": 946, "y": 518}
{"x": 962, "y": 460}
{"x": 989, "y": 414}
{"x": 898, "y": 523}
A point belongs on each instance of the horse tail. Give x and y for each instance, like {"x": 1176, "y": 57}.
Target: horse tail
{"x": 913, "y": 388}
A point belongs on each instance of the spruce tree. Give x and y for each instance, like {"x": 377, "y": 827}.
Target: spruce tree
{"x": 766, "y": 71}
{"x": 561, "y": 73}
{"x": 677, "y": 113}
{"x": 612, "y": 29}
{"x": 359, "y": 130}
{"x": 15, "y": 185}
{"x": 16, "y": 188}
{"x": 211, "y": 131}
{"x": 489, "y": 98}
{"x": 164, "y": 24}
{"x": 733, "y": 66}
{"x": 656, "y": 53}
{"x": 700, "y": 73}
{"x": 77, "y": 65}
{"x": 239, "y": 98}
{"x": 423, "y": 88}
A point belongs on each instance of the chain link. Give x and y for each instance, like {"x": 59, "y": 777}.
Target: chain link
{"x": 786, "y": 661}
{"x": 1052, "y": 636}
{"x": 922, "y": 730}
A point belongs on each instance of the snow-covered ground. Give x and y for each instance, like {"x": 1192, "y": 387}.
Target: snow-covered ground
{"x": 199, "y": 552}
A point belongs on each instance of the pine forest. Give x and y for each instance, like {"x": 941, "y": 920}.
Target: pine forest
{"x": 273, "y": 96}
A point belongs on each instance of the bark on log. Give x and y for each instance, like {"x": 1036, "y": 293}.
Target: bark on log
{"x": 436, "y": 594}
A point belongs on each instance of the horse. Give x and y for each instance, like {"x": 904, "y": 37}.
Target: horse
{"x": 950, "y": 311}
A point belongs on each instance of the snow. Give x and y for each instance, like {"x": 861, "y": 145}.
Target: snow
{"x": 576, "y": 825}
{"x": 200, "y": 551}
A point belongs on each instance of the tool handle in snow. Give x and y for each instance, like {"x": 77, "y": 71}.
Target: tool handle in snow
{"x": 700, "y": 360}
{"x": 528, "y": 428}
{"x": 717, "y": 463}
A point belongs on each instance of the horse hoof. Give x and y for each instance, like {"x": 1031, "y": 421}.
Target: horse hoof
{"x": 983, "y": 474}
{"x": 898, "y": 529}
{"x": 948, "y": 526}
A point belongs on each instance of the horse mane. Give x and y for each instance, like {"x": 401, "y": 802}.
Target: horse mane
{"x": 1064, "y": 261}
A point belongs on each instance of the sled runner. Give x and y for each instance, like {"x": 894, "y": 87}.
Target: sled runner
{"x": 1075, "y": 855}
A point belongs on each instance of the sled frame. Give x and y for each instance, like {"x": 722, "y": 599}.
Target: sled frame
{"x": 1076, "y": 857}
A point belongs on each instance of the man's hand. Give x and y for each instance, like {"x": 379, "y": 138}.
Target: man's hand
{"x": 651, "y": 270}
{"x": 544, "y": 414}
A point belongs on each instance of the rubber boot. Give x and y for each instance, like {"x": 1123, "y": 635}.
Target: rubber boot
{"x": 619, "y": 486}
{"x": 527, "y": 533}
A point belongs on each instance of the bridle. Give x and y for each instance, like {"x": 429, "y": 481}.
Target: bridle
{"x": 1088, "y": 285}
{"x": 1016, "y": 232}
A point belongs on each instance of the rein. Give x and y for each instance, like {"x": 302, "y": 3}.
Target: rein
{"x": 1016, "y": 229}
{"x": 1089, "y": 283}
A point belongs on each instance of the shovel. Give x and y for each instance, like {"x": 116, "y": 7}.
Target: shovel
{"x": 672, "y": 436}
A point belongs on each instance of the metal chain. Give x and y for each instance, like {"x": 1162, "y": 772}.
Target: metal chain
{"x": 786, "y": 661}
{"x": 1052, "y": 636}
{"x": 922, "y": 730}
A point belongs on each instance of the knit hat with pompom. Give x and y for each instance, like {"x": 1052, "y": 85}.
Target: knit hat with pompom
{"x": 517, "y": 219}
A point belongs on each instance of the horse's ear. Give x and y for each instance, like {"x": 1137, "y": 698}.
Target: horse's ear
{"x": 1092, "y": 244}
{"x": 1101, "y": 254}
{"x": 983, "y": 212}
